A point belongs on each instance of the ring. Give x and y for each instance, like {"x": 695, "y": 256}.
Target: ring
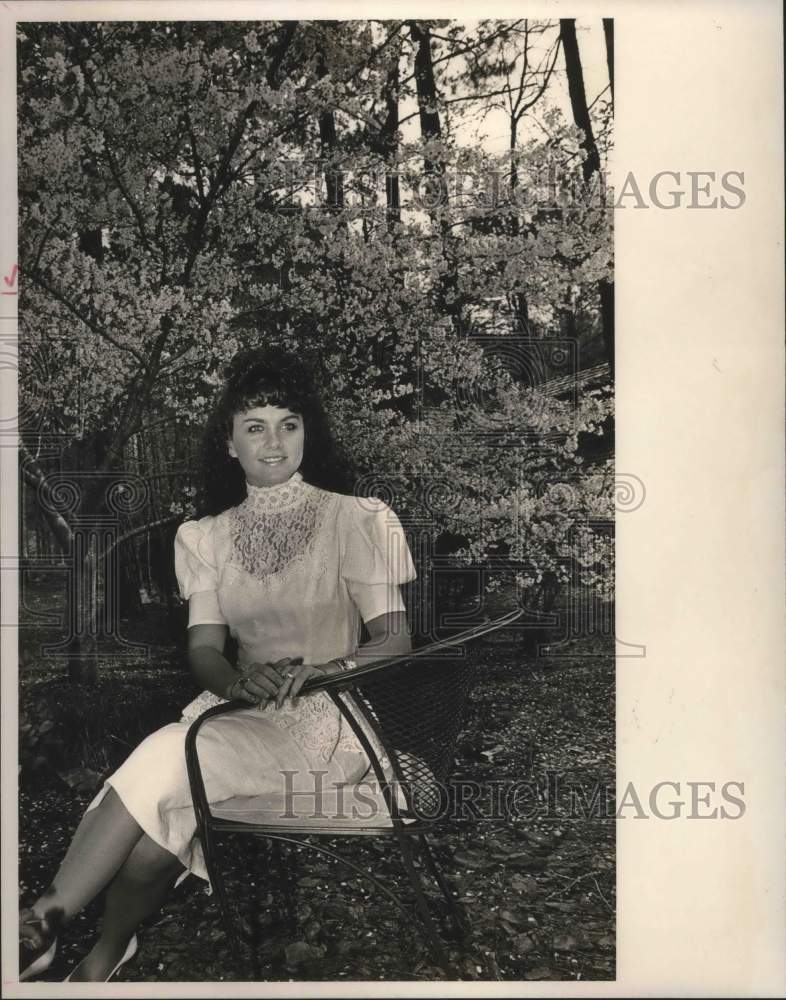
{"x": 288, "y": 674}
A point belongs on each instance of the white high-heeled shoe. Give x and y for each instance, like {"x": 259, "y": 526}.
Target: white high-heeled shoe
{"x": 40, "y": 964}
{"x": 131, "y": 949}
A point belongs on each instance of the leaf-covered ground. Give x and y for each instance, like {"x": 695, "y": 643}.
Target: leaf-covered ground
{"x": 530, "y": 852}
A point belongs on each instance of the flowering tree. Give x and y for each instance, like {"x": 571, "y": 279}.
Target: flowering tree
{"x": 189, "y": 188}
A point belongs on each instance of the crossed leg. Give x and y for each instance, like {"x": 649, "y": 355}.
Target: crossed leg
{"x": 108, "y": 849}
{"x": 137, "y": 891}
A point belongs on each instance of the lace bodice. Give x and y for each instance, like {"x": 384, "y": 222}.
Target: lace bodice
{"x": 276, "y": 526}
{"x": 291, "y": 571}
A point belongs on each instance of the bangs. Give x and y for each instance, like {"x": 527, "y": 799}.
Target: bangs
{"x": 264, "y": 391}
{"x": 261, "y": 377}
{"x": 280, "y": 397}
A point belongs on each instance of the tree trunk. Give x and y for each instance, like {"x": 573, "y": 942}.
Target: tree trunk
{"x": 436, "y": 187}
{"x": 334, "y": 180}
{"x": 578, "y": 96}
{"x": 389, "y": 145}
{"x": 606, "y": 292}
{"x": 430, "y": 126}
{"x": 519, "y": 299}
{"x": 608, "y": 33}
{"x": 591, "y": 165}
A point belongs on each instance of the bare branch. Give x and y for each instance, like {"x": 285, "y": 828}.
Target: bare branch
{"x": 141, "y": 530}
{"x": 545, "y": 82}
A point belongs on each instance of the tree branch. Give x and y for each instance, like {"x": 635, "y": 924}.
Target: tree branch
{"x": 99, "y": 331}
{"x": 197, "y": 159}
{"x": 141, "y": 530}
{"x": 223, "y": 176}
{"x": 545, "y": 83}
{"x": 375, "y": 52}
{"x": 35, "y": 476}
{"x": 109, "y": 156}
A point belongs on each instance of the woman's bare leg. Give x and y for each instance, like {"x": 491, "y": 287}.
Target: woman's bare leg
{"x": 103, "y": 840}
{"x": 136, "y": 891}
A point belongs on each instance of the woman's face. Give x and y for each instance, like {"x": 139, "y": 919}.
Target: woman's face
{"x": 268, "y": 443}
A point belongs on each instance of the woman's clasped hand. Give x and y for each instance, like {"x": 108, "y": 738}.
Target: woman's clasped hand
{"x": 261, "y": 683}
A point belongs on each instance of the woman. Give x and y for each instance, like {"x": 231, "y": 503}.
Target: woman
{"x": 288, "y": 566}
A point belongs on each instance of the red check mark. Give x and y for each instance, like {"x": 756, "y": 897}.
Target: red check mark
{"x": 10, "y": 280}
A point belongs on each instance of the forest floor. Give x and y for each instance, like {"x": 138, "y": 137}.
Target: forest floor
{"x": 530, "y": 854}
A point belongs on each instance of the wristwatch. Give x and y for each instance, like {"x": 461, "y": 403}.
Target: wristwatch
{"x": 345, "y": 663}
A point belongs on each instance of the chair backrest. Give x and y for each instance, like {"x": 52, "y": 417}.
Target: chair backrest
{"x": 419, "y": 709}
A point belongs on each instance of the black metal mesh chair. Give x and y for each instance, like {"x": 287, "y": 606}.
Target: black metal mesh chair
{"x": 407, "y": 713}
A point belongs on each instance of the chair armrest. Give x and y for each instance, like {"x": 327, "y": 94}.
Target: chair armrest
{"x": 348, "y": 678}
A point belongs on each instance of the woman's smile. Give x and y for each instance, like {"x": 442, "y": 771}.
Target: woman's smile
{"x": 268, "y": 442}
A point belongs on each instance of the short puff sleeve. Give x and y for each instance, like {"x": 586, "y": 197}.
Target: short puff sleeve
{"x": 197, "y": 573}
{"x": 375, "y": 557}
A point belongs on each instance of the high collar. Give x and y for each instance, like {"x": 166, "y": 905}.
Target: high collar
{"x": 278, "y": 497}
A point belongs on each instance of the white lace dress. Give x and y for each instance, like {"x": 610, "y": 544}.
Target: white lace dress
{"x": 291, "y": 571}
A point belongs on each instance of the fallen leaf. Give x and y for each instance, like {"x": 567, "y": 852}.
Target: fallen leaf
{"x": 524, "y": 944}
{"x": 539, "y": 972}
{"x": 470, "y": 859}
{"x": 526, "y": 886}
{"x": 526, "y": 862}
{"x": 299, "y": 952}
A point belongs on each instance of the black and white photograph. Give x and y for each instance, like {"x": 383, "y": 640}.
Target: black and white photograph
{"x": 317, "y": 342}
{"x": 317, "y": 347}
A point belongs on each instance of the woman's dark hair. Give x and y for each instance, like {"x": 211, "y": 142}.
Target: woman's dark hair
{"x": 268, "y": 376}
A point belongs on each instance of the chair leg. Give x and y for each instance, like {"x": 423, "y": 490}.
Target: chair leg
{"x": 284, "y": 862}
{"x": 456, "y": 913}
{"x": 219, "y": 887}
{"x": 423, "y": 907}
